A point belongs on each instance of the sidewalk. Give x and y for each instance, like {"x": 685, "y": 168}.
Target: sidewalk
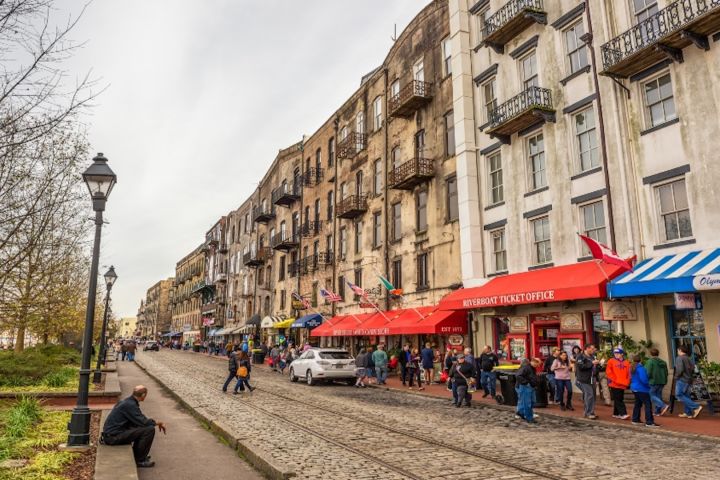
{"x": 188, "y": 450}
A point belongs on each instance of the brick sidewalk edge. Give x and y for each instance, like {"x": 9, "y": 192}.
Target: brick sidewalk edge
{"x": 257, "y": 457}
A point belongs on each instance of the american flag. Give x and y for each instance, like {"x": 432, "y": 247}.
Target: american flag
{"x": 357, "y": 290}
{"x": 300, "y": 298}
{"x": 330, "y": 296}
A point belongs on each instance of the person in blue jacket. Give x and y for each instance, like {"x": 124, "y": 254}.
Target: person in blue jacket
{"x": 640, "y": 386}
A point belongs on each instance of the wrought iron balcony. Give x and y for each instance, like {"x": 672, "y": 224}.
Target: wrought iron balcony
{"x": 309, "y": 264}
{"x": 529, "y": 107}
{"x": 510, "y": 21}
{"x": 352, "y": 206}
{"x": 223, "y": 248}
{"x": 284, "y": 241}
{"x": 311, "y": 229}
{"x": 411, "y": 173}
{"x": 410, "y": 98}
{"x": 325, "y": 258}
{"x": 313, "y": 177}
{"x": 660, "y": 36}
{"x": 261, "y": 215}
{"x": 286, "y": 195}
{"x": 257, "y": 258}
{"x": 221, "y": 278}
{"x": 293, "y": 269}
{"x": 353, "y": 144}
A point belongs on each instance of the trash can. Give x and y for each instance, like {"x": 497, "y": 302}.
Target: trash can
{"x": 196, "y": 348}
{"x": 507, "y": 387}
{"x": 541, "y": 391}
{"x": 258, "y": 357}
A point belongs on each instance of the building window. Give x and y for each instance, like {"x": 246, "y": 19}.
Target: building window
{"x": 314, "y": 295}
{"x": 358, "y": 279}
{"x": 587, "y": 140}
{"x": 331, "y": 152}
{"x": 397, "y": 273}
{"x": 318, "y": 159}
{"x": 674, "y": 211}
{"x": 359, "y": 183}
{"x": 419, "y": 143}
{"x": 281, "y": 271}
{"x": 396, "y": 222}
{"x": 341, "y": 287}
{"x": 377, "y": 229}
{"x": 529, "y": 71}
{"x": 282, "y": 299}
{"x": 644, "y": 9}
{"x": 447, "y": 56}
{"x": 330, "y": 197}
{"x": 489, "y": 98}
{"x": 343, "y": 191}
{"x": 360, "y": 123}
{"x": 452, "y": 199}
{"x": 421, "y": 223}
{"x": 419, "y": 71}
{"x": 576, "y": 48}
{"x": 499, "y": 258}
{"x": 592, "y": 216}
{"x": 449, "y": 134}
{"x": 659, "y": 101}
{"x": 261, "y": 276}
{"x": 269, "y": 276}
{"x": 343, "y": 243}
{"x": 687, "y": 327}
{"x": 343, "y": 133}
{"x": 395, "y": 157}
{"x": 377, "y": 113}
{"x": 496, "y": 178}
{"x": 358, "y": 236}
{"x": 542, "y": 253}
{"x": 329, "y": 244}
{"x": 377, "y": 177}
{"x": 536, "y": 161}
{"x": 422, "y": 272}
{"x": 394, "y": 88}
{"x": 480, "y": 22}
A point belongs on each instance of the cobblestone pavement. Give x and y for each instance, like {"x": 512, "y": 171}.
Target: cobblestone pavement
{"x": 334, "y": 431}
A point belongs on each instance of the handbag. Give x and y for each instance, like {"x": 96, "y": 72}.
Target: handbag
{"x": 242, "y": 371}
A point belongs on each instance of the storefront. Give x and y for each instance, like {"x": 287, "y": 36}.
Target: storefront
{"x": 274, "y": 329}
{"x": 301, "y": 328}
{"x": 527, "y": 314}
{"x": 679, "y": 299}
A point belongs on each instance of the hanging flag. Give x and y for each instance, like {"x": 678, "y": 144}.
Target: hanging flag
{"x": 394, "y": 292}
{"x": 604, "y": 253}
{"x": 300, "y": 298}
{"x": 330, "y": 296}
{"x": 357, "y": 290}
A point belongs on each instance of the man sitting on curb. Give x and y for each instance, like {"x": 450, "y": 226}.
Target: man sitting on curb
{"x": 126, "y": 425}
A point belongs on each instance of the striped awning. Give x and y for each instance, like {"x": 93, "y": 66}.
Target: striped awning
{"x": 683, "y": 272}
{"x": 270, "y": 321}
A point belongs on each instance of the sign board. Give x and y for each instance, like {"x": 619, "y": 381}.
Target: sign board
{"x": 572, "y": 322}
{"x": 455, "y": 340}
{"x": 297, "y": 305}
{"x": 686, "y": 301}
{"x": 519, "y": 325}
{"x": 618, "y": 311}
{"x": 707, "y": 282}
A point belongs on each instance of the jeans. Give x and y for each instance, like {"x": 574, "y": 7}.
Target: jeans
{"x": 231, "y": 376}
{"x": 403, "y": 373}
{"x": 656, "y": 397}
{"x": 243, "y": 382}
{"x": 141, "y": 439}
{"x": 643, "y": 399}
{"x": 560, "y": 387}
{"x": 454, "y": 391}
{"x": 552, "y": 385}
{"x": 488, "y": 381}
{"x": 682, "y": 393}
{"x": 588, "y": 392}
{"x": 525, "y": 402}
{"x": 618, "y": 398}
{"x": 131, "y": 356}
{"x": 462, "y": 394}
{"x": 382, "y": 373}
{"x": 123, "y": 356}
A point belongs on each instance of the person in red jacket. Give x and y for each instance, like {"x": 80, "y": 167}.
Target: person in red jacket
{"x": 618, "y": 376}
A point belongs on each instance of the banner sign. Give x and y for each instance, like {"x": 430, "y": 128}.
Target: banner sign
{"x": 510, "y": 299}
{"x": 298, "y": 305}
{"x": 519, "y": 325}
{"x": 707, "y": 282}
{"x": 618, "y": 311}
{"x": 687, "y": 301}
{"x": 572, "y": 322}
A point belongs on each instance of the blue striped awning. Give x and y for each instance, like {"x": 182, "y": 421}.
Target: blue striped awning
{"x": 682, "y": 272}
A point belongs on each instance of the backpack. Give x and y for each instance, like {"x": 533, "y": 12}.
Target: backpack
{"x": 242, "y": 371}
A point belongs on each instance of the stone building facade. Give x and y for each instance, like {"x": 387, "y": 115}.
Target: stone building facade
{"x": 214, "y": 291}
{"x": 158, "y": 315}
{"x": 186, "y": 294}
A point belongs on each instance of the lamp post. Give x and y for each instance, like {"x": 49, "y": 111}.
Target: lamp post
{"x": 110, "y": 278}
{"x": 100, "y": 181}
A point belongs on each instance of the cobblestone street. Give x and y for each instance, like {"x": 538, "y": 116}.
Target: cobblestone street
{"x": 333, "y": 431}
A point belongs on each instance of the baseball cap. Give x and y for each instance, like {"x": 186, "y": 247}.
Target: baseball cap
{"x": 619, "y": 350}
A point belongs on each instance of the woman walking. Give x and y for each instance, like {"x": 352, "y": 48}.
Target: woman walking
{"x": 243, "y": 373}
{"x": 640, "y": 386}
{"x": 561, "y": 368}
{"x": 414, "y": 368}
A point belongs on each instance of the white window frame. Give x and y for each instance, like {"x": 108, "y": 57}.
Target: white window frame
{"x": 377, "y": 113}
{"x": 494, "y": 234}
{"x": 419, "y": 70}
{"x": 580, "y": 50}
{"x": 534, "y": 242}
{"x": 360, "y": 123}
{"x": 533, "y": 79}
{"x": 377, "y": 177}
{"x": 394, "y": 88}
{"x": 659, "y": 215}
{"x": 588, "y": 232}
{"x": 447, "y": 56}
{"x": 529, "y": 162}
{"x": 491, "y": 175}
{"x": 480, "y": 19}
{"x": 579, "y": 168}
{"x": 649, "y": 123}
{"x": 489, "y": 104}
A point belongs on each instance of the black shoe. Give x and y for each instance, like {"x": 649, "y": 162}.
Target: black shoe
{"x": 458, "y": 405}
{"x": 485, "y": 395}
{"x": 569, "y": 407}
{"x": 145, "y": 464}
{"x": 252, "y": 389}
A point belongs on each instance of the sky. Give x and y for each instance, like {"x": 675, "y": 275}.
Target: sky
{"x": 200, "y": 97}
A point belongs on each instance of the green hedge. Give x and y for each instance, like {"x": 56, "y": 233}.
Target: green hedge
{"x": 50, "y": 365}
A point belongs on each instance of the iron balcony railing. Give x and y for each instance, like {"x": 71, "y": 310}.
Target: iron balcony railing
{"x": 284, "y": 241}
{"x": 293, "y": 269}
{"x": 261, "y": 215}
{"x": 352, "y": 206}
{"x": 351, "y": 145}
{"x": 311, "y": 229}
{"x": 313, "y": 176}
{"x": 531, "y": 97}
{"x": 411, "y": 97}
{"x": 258, "y": 257}
{"x": 286, "y": 194}
{"x": 411, "y": 173}
{"x": 656, "y": 28}
{"x": 509, "y": 12}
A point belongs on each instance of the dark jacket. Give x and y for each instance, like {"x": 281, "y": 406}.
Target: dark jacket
{"x": 684, "y": 369}
{"x": 232, "y": 362}
{"x": 548, "y": 364}
{"x": 657, "y": 370}
{"x": 361, "y": 360}
{"x": 449, "y": 360}
{"x": 526, "y": 375}
{"x": 488, "y": 361}
{"x": 461, "y": 374}
{"x": 584, "y": 369}
{"x": 402, "y": 357}
{"x": 370, "y": 361}
{"x": 124, "y": 416}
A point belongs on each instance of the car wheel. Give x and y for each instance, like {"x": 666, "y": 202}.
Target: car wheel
{"x": 309, "y": 378}
{"x": 293, "y": 378}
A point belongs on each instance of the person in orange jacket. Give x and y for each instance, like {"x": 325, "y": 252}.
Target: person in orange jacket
{"x": 618, "y": 376}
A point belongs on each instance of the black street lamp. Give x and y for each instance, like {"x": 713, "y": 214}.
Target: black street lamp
{"x": 110, "y": 278}
{"x": 100, "y": 180}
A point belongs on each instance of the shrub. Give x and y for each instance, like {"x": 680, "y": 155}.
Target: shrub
{"x": 30, "y": 366}
{"x": 59, "y": 378}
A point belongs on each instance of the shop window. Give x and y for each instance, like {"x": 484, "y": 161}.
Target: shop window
{"x": 687, "y": 327}
{"x": 600, "y": 329}
{"x": 501, "y": 328}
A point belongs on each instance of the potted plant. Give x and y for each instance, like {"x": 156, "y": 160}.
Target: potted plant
{"x": 710, "y": 372}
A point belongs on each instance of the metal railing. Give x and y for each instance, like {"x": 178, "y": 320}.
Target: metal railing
{"x": 520, "y": 103}
{"x": 287, "y": 190}
{"x": 353, "y": 144}
{"x": 311, "y": 229}
{"x": 507, "y": 12}
{"x": 415, "y": 88}
{"x": 653, "y": 29}
{"x": 313, "y": 177}
{"x": 258, "y": 256}
{"x": 352, "y": 203}
{"x": 417, "y": 167}
{"x": 259, "y": 214}
{"x": 283, "y": 238}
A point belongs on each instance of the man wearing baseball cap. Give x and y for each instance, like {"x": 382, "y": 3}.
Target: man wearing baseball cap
{"x": 618, "y": 376}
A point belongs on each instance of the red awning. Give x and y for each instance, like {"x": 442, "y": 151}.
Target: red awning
{"x": 410, "y": 321}
{"x": 340, "y": 326}
{"x": 555, "y": 284}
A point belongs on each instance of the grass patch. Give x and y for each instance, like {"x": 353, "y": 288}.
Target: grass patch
{"x": 41, "y": 368}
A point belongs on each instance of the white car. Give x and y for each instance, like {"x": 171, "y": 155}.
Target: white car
{"x": 317, "y": 364}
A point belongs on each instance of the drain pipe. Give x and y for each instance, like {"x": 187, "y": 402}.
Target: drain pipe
{"x": 386, "y": 243}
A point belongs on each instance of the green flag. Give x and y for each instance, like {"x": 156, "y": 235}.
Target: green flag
{"x": 386, "y": 283}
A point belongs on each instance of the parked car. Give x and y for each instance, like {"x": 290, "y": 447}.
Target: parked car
{"x": 151, "y": 345}
{"x": 323, "y": 364}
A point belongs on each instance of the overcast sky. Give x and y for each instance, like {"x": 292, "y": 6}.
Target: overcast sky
{"x": 201, "y": 96}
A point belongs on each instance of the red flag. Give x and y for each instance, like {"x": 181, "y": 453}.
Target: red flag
{"x": 604, "y": 253}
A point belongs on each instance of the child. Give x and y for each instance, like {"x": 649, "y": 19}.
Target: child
{"x": 243, "y": 373}
{"x": 640, "y": 386}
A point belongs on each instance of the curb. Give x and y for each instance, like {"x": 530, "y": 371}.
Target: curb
{"x": 257, "y": 457}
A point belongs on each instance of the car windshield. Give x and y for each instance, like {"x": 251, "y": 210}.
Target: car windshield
{"x": 335, "y": 355}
